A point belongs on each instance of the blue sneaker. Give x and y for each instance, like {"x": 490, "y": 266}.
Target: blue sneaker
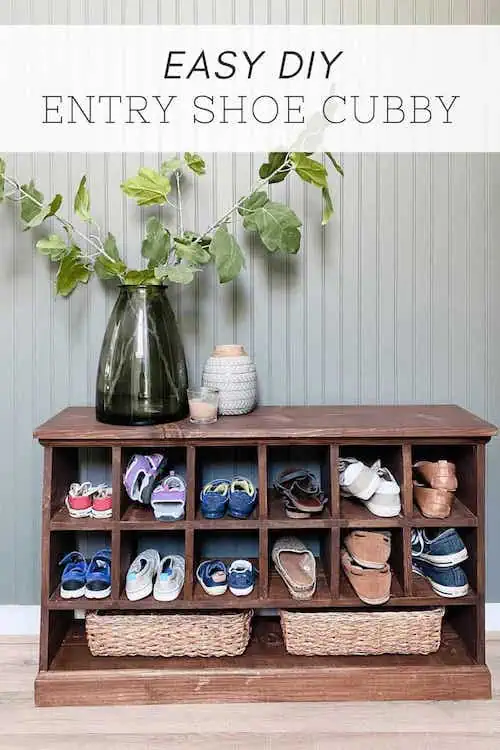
{"x": 212, "y": 577}
{"x": 449, "y": 582}
{"x": 242, "y": 498}
{"x": 98, "y": 579}
{"x": 214, "y": 498}
{"x": 441, "y": 548}
{"x": 73, "y": 576}
{"x": 241, "y": 577}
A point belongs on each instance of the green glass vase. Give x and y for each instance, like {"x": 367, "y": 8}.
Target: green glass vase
{"x": 142, "y": 376}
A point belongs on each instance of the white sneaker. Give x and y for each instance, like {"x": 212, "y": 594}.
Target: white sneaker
{"x": 386, "y": 501}
{"x": 140, "y": 575}
{"x": 170, "y": 578}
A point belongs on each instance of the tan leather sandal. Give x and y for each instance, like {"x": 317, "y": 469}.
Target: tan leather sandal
{"x": 370, "y": 549}
{"x": 440, "y": 475}
{"x": 432, "y": 503}
{"x": 372, "y": 586}
{"x": 296, "y": 565}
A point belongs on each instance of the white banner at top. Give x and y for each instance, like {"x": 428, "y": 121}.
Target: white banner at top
{"x": 250, "y": 88}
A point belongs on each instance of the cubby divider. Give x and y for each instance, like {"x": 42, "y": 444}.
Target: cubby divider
{"x": 259, "y": 445}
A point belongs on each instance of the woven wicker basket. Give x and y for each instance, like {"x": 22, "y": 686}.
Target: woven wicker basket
{"x": 342, "y": 633}
{"x": 168, "y": 634}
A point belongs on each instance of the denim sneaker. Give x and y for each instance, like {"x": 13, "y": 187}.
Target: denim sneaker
{"x": 242, "y": 498}
{"x": 98, "y": 578}
{"x": 214, "y": 498}
{"x": 241, "y": 577}
{"x": 73, "y": 576}
{"x": 449, "y": 582}
{"x": 212, "y": 577}
{"x": 440, "y": 548}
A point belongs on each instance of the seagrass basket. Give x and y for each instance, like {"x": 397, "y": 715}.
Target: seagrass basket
{"x": 153, "y": 634}
{"x": 337, "y": 633}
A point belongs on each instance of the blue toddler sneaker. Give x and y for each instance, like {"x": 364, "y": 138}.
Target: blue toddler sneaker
{"x": 73, "y": 575}
{"x": 241, "y": 577}
{"x": 214, "y": 498}
{"x": 440, "y": 548}
{"x": 212, "y": 577}
{"x": 449, "y": 582}
{"x": 98, "y": 579}
{"x": 242, "y": 498}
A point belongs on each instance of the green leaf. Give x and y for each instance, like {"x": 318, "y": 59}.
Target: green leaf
{"x": 53, "y": 246}
{"x": 112, "y": 267}
{"x": 335, "y": 163}
{"x": 255, "y": 200}
{"x": 2, "y": 179}
{"x": 277, "y": 225}
{"x": 310, "y": 170}
{"x": 138, "y": 278}
{"x": 276, "y": 160}
{"x": 82, "y": 201}
{"x": 195, "y": 163}
{"x": 156, "y": 245}
{"x": 193, "y": 252}
{"x": 72, "y": 271}
{"x": 183, "y": 273}
{"x": 170, "y": 165}
{"x": 149, "y": 188}
{"x": 327, "y": 206}
{"x": 229, "y": 258}
{"x": 55, "y": 205}
{"x": 29, "y": 204}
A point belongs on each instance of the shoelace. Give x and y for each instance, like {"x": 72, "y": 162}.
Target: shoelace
{"x": 417, "y": 538}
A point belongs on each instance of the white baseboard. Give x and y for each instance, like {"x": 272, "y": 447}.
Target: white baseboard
{"x": 18, "y": 619}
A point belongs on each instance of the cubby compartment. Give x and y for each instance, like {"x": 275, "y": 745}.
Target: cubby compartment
{"x": 133, "y": 514}
{"x": 349, "y": 597}
{"x": 63, "y": 542}
{"x": 322, "y": 543}
{"x": 353, "y": 512}
{"x": 421, "y": 587}
{"x": 77, "y": 465}
{"x": 313, "y": 458}
{"x": 464, "y": 509}
{"x": 131, "y": 544}
{"x": 226, "y": 462}
{"x": 225, "y": 546}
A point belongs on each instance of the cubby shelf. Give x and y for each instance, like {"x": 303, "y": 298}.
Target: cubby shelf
{"x": 259, "y": 445}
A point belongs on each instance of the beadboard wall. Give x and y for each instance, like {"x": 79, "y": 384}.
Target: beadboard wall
{"x": 395, "y": 302}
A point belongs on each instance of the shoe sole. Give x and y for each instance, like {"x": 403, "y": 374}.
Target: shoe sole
{"x": 101, "y": 513}
{"x": 76, "y": 594}
{"x": 374, "y": 602}
{"x": 383, "y": 510}
{"x": 241, "y": 592}
{"x": 78, "y": 513}
{"x": 212, "y": 590}
{"x": 97, "y": 594}
{"x": 296, "y": 514}
{"x": 367, "y": 563}
{"x": 168, "y": 596}
{"x": 449, "y": 592}
{"x": 445, "y": 561}
{"x": 134, "y": 596}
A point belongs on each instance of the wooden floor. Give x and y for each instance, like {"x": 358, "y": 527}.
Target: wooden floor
{"x": 300, "y": 726}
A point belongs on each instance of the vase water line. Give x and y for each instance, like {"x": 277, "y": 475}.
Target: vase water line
{"x": 232, "y": 372}
{"x": 142, "y": 374}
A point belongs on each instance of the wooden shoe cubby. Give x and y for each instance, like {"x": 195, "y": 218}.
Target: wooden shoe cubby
{"x": 259, "y": 445}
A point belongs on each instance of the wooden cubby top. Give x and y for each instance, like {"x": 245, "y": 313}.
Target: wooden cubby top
{"x": 78, "y": 426}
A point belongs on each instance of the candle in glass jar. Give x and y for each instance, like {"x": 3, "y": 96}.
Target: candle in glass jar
{"x": 201, "y": 411}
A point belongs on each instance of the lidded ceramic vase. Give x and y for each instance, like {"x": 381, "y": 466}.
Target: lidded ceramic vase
{"x": 232, "y": 372}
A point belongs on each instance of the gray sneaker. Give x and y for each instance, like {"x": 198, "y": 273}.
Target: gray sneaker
{"x": 141, "y": 573}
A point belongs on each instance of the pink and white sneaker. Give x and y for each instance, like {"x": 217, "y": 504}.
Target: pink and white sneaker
{"x": 79, "y": 500}
{"x": 102, "y": 501}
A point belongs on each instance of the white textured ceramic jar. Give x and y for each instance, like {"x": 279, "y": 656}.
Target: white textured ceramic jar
{"x": 232, "y": 372}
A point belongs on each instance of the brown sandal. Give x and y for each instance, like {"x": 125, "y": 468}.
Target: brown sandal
{"x": 369, "y": 549}
{"x": 432, "y": 503}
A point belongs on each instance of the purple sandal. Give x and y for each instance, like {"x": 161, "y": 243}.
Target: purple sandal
{"x": 168, "y": 499}
{"x": 143, "y": 474}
